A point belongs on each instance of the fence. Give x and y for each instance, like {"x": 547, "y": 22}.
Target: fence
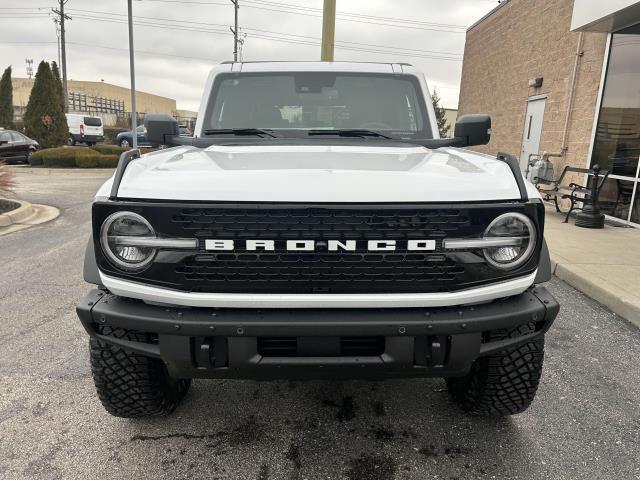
{"x": 80, "y": 102}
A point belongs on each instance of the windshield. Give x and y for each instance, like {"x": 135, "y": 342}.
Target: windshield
{"x": 387, "y": 103}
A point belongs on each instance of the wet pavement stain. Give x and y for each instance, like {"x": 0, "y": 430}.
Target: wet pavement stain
{"x": 346, "y": 409}
{"x": 263, "y": 473}
{"x": 372, "y": 467}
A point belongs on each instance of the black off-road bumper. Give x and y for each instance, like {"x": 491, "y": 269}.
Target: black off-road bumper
{"x": 315, "y": 343}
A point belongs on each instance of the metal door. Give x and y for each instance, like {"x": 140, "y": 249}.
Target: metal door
{"x": 532, "y": 129}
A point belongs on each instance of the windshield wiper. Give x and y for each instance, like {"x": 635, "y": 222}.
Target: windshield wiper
{"x": 352, "y": 132}
{"x": 241, "y": 131}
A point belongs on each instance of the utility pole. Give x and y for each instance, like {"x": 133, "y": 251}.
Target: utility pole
{"x": 234, "y": 30}
{"x": 63, "y": 17}
{"x": 132, "y": 72}
{"x": 328, "y": 30}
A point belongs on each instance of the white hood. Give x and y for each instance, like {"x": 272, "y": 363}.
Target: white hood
{"x": 318, "y": 174}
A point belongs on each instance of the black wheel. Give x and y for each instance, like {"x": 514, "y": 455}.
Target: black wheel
{"x": 503, "y": 383}
{"x": 124, "y": 143}
{"x": 71, "y": 141}
{"x": 131, "y": 385}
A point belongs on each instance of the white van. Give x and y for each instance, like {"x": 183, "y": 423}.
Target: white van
{"x": 84, "y": 129}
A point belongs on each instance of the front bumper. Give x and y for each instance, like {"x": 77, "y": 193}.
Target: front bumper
{"x": 225, "y": 342}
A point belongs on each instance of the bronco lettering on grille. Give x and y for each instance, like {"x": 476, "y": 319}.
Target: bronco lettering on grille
{"x": 312, "y": 245}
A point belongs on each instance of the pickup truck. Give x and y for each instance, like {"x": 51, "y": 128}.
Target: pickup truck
{"x": 316, "y": 226}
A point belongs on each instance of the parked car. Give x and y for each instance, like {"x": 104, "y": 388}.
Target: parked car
{"x": 317, "y": 226}
{"x": 125, "y": 139}
{"x": 84, "y": 129}
{"x": 16, "y": 147}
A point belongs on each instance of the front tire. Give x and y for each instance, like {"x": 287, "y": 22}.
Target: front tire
{"x": 131, "y": 385}
{"x": 124, "y": 143}
{"x": 502, "y": 383}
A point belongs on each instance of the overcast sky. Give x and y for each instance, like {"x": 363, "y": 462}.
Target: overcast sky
{"x": 177, "y": 41}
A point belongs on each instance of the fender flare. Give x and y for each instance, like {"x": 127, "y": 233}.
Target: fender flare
{"x": 90, "y": 271}
{"x": 544, "y": 265}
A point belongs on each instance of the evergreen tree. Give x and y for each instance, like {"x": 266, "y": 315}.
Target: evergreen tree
{"x": 6, "y": 100}
{"x": 44, "y": 119}
{"x": 58, "y": 80}
{"x": 441, "y": 119}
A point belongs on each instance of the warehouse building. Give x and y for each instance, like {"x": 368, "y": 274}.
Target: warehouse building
{"x": 562, "y": 76}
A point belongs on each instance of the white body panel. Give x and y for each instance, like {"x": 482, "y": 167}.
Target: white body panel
{"x": 344, "y": 300}
{"x": 318, "y": 174}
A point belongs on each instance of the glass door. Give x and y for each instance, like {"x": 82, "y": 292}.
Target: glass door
{"x": 617, "y": 141}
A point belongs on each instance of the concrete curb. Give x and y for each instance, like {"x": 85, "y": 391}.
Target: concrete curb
{"x": 25, "y": 216}
{"x": 601, "y": 292}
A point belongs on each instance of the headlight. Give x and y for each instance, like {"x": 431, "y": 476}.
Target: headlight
{"x": 512, "y": 237}
{"x": 127, "y": 240}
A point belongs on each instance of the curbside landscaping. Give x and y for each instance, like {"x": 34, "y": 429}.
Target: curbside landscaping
{"x": 25, "y": 215}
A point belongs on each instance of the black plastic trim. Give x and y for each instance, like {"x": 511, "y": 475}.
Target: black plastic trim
{"x": 125, "y": 160}
{"x": 544, "y": 265}
{"x": 90, "y": 271}
{"x": 239, "y": 328}
{"x": 512, "y": 161}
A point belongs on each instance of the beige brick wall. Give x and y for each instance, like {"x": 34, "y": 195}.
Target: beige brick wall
{"x": 145, "y": 102}
{"x": 525, "y": 39}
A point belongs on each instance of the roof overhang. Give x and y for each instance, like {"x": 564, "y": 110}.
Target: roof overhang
{"x": 604, "y": 16}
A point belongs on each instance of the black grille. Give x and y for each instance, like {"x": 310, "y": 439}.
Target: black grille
{"x": 344, "y": 347}
{"x": 320, "y": 271}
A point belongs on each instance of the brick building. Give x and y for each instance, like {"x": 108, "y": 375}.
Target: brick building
{"x": 562, "y": 76}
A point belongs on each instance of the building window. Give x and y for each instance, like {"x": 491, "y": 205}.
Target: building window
{"x": 617, "y": 140}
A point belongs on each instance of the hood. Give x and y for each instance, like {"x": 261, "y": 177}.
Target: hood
{"x": 317, "y": 174}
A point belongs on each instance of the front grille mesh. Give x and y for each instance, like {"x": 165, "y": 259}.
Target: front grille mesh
{"x": 320, "y": 271}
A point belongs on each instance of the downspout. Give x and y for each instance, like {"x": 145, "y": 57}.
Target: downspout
{"x": 572, "y": 88}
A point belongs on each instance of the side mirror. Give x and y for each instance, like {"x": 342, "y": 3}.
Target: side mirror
{"x": 473, "y": 130}
{"x": 160, "y": 128}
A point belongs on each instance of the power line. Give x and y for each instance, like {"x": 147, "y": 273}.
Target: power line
{"x": 272, "y": 38}
{"x": 188, "y": 23}
{"x": 284, "y": 8}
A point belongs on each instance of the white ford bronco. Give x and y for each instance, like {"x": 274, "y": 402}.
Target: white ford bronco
{"x": 316, "y": 226}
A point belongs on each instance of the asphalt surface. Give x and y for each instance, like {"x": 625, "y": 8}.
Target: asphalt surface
{"x": 585, "y": 422}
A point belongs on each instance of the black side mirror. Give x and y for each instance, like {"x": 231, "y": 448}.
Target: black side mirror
{"x": 473, "y": 130}
{"x": 160, "y": 128}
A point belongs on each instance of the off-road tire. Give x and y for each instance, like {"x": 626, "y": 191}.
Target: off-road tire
{"x": 502, "y": 383}
{"x": 131, "y": 385}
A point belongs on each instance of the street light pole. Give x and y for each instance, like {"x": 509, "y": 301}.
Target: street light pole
{"x": 132, "y": 72}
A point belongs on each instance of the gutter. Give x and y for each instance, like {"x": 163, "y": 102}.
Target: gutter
{"x": 571, "y": 94}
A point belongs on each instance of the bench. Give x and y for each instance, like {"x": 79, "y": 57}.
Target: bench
{"x": 575, "y": 193}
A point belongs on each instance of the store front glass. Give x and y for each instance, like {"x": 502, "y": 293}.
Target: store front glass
{"x": 617, "y": 140}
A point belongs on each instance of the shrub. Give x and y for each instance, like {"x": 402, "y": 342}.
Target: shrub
{"x": 108, "y": 161}
{"x": 6, "y": 100}
{"x": 109, "y": 149}
{"x": 110, "y": 134}
{"x": 65, "y": 161}
{"x": 87, "y": 161}
{"x": 44, "y": 118}
{"x": 72, "y": 157}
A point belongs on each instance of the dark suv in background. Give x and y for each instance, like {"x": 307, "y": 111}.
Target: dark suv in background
{"x": 16, "y": 147}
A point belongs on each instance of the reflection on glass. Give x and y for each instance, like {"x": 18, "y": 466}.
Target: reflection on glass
{"x": 615, "y": 199}
{"x": 617, "y": 142}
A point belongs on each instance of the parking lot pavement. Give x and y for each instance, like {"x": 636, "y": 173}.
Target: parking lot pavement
{"x": 585, "y": 422}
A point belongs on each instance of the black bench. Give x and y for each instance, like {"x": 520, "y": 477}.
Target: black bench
{"x": 575, "y": 193}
